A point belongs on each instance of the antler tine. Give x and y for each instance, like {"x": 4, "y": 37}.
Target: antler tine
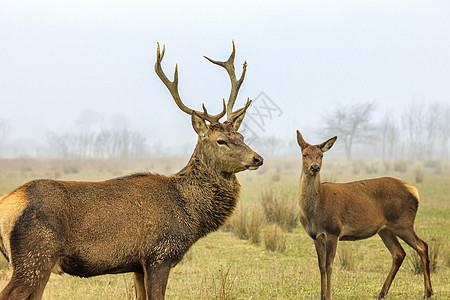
{"x": 172, "y": 86}
{"x": 235, "y": 84}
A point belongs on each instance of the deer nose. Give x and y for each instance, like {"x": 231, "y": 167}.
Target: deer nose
{"x": 258, "y": 160}
{"x": 315, "y": 168}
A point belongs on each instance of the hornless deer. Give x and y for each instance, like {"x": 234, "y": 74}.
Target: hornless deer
{"x": 142, "y": 223}
{"x": 356, "y": 210}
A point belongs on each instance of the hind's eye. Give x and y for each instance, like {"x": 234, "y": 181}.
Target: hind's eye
{"x": 221, "y": 142}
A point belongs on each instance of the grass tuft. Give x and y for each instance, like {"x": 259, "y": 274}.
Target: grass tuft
{"x": 279, "y": 209}
{"x": 275, "y": 238}
{"x": 223, "y": 284}
{"x": 345, "y": 258}
{"x": 247, "y": 226}
{"x": 418, "y": 175}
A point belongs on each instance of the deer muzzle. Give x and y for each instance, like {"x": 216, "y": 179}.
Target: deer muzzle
{"x": 314, "y": 168}
{"x": 258, "y": 161}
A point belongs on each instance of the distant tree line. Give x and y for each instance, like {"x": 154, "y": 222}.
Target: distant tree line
{"x": 421, "y": 132}
{"x": 91, "y": 139}
{"x": 105, "y": 143}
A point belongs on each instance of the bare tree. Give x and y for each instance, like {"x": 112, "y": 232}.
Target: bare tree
{"x": 424, "y": 125}
{"x": 352, "y": 124}
{"x": 389, "y": 136}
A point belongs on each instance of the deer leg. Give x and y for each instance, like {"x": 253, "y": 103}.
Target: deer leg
{"x": 35, "y": 248}
{"x": 139, "y": 286}
{"x": 156, "y": 277}
{"x": 320, "y": 243}
{"x": 39, "y": 292}
{"x": 31, "y": 287}
{"x": 14, "y": 290}
{"x": 398, "y": 255}
{"x": 411, "y": 238}
{"x": 331, "y": 246}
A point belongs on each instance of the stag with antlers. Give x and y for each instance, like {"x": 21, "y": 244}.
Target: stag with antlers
{"x": 141, "y": 223}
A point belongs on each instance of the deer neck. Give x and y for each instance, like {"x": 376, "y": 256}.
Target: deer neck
{"x": 309, "y": 192}
{"x": 212, "y": 195}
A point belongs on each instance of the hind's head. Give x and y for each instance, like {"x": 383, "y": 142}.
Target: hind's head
{"x": 312, "y": 154}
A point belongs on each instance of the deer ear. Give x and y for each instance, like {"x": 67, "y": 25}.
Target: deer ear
{"x": 199, "y": 124}
{"x": 325, "y": 146}
{"x": 301, "y": 142}
{"x": 238, "y": 121}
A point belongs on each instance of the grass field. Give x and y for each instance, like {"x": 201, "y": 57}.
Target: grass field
{"x": 223, "y": 266}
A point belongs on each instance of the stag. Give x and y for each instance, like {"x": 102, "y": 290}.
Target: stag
{"x": 142, "y": 223}
{"x": 330, "y": 212}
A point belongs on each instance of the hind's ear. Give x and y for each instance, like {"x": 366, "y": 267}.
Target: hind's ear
{"x": 301, "y": 142}
{"x": 325, "y": 146}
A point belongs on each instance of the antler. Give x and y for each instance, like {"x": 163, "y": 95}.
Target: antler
{"x": 173, "y": 89}
{"x": 235, "y": 85}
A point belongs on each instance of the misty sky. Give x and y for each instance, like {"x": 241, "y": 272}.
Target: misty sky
{"x": 58, "y": 58}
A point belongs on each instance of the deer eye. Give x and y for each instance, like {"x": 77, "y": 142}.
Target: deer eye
{"x": 221, "y": 142}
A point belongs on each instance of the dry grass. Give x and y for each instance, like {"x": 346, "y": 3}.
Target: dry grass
{"x": 279, "y": 208}
{"x": 246, "y": 226}
{"x": 345, "y": 257}
{"x": 418, "y": 175}
{"x": 221, "y": 266}
{"x": 275, "y": 238}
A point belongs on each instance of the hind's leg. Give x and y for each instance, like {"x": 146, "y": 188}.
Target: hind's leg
{"x": 398, "y": 255}
{"x": 411, "y": 238}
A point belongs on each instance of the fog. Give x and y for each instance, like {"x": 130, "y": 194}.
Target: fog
{"x": 62, "y": 61}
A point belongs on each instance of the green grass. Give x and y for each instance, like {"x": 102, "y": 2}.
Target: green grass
{"x": 222, "y": 266}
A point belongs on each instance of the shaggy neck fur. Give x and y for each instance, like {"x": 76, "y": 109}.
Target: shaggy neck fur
{"x": 309, "y": 192}
{"x": 213, "y": 194}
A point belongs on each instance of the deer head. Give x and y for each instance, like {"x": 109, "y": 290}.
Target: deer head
{"x": 219, "y": 144}
{"x": 312, "y": 155}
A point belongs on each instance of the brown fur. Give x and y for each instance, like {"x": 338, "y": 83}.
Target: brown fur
{"x": 356, "y": 210}
{"x": 142, "y": 223}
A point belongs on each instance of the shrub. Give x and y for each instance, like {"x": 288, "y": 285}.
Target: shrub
{"x": 279, "y": 209}
{"x": 419, "y": 174}
{"x": 246, "y": 226}
{"x": 400, "y": 166}
{"x": 275, "y": 238}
